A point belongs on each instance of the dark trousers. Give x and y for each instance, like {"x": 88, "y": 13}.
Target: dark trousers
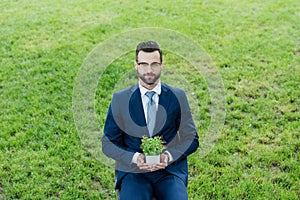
{"x": 161, "y": 184}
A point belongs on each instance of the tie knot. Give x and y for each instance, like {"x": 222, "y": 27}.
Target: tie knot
{"x": 150, "y": 94}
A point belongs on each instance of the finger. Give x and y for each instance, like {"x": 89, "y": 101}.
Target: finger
{"x": 159, "y": 166}
{"x": 140, "y": 161}
{"x": 144, "y": 167}
{"x": 166, "y": 159}
{"x": 164, "y": 164}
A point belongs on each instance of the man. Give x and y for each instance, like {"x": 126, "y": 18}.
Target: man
{"x": 129, "y": 119}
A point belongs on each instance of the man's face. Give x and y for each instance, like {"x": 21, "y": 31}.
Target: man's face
{"x": 149, "y": 67}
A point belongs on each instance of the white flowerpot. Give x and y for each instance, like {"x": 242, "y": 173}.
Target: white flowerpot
{"x": 151, "y": 160}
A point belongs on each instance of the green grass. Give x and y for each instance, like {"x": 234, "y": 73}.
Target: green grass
{"x": 254, "y": 44}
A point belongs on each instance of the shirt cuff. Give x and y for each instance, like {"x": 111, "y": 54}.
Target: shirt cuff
{"x": 170, "y": 156}
{"x": 135, "y": 157}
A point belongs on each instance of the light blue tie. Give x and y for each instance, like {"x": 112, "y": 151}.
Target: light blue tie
{"x": 151, "y": 112}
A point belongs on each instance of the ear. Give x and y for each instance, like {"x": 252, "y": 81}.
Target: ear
{"x": 135, "y": 65}
{"x": 162, "y": 64}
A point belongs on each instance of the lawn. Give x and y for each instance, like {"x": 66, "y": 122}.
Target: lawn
{"x": 255, "y": 49}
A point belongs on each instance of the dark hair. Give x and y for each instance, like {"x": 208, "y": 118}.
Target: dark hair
{"x": 148, "y": 46}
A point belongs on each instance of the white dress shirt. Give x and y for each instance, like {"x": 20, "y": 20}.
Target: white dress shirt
{"x": 145, "y": 99}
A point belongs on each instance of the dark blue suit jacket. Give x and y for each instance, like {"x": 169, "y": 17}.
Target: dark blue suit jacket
{"x": 126, "y": 124}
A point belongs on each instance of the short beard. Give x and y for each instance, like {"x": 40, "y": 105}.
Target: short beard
{"x": 153, "y": 81}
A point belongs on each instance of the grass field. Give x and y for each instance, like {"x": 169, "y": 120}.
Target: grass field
{"x": 255, "y": 46}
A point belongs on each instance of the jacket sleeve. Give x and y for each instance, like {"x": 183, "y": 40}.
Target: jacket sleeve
{"x": 112, "y": 140}
{"x": 186, "y": 141}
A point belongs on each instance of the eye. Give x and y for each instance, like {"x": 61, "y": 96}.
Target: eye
{"x": 155, "y": 65}
{"x": 144, "y": 65}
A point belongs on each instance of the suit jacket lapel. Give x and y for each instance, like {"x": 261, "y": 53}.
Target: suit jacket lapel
{"x": 163, "y": 105}
{"x": 136, "y": 109}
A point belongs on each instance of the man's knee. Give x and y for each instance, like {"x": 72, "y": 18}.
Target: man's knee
{"x": 171, "y": 188}
{"x": 135, "y": 187}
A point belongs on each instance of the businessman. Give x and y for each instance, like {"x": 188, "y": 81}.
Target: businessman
{"x": 154, "y": 109}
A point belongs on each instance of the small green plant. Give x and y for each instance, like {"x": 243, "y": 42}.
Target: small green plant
{"x": 152, "y": 146}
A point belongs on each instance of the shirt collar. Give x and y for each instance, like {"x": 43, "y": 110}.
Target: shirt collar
{"x": 156, "y": 89}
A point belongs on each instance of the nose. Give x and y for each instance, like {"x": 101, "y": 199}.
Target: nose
{"x": 148, "y": 69}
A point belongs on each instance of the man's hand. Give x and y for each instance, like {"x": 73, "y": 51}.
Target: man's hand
{"x": 164, "y": 160}
{"x": 141, "y": 163}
